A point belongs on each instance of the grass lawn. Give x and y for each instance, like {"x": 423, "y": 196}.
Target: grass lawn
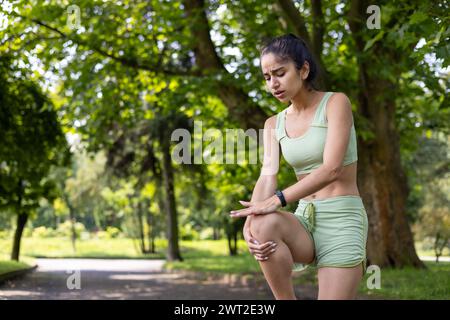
{"x": 406, "y": 283}
{"x": 9, "y": 266}
{"x": 410, "y": 283}
{"x": 92, "y": 248}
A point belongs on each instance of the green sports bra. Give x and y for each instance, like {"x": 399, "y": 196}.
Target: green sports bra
{"x": 305, "y": 153}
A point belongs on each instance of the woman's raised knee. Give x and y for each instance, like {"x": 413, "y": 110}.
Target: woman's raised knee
{"x": 266, "y": 226}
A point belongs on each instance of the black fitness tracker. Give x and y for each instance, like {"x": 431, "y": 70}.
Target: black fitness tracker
{"x": 280, "y": 195}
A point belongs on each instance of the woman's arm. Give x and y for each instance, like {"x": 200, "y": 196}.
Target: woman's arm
{"x": 267, "y": 182}
{"x": 265, "y": 187}
{"x": 340, "y": 119}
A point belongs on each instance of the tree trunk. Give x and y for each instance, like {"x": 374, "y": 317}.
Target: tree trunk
{"x": 151, "y": 233}
{"x": 384, "y": 192}
{"x": 22, "y": 219}
{"x": 216, "y": 233}
{"x": 72, "y": 228}
{"x": 21, "y": 222}
{"x": 140, "y": 226}
{"x": 231, "y": 247}
{"x": 232, "y": 230}
{"x": 172, "y": 221}
{"x": 381, "y": 177}
{"x": 72, "y": 222}
{"x": 154, "y": 165}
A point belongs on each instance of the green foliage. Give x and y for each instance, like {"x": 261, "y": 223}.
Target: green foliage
{"x": 32, "y": 141}
{"x": 5, "y": 234}
{"x": 65, "y": 229}
{"x": 109, "y": 233}
{"x": 188, "y": 233}
{"x": 44, "y": 232}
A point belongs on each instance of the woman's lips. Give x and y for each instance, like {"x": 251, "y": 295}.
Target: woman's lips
{"x": 279, "y": 94}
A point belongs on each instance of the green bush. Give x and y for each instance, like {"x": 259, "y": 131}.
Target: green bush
{"x": 188, "y": 233}
{"x": 113, "y": 232}
{"x": 65, "y": 229}
{"x": 206, "y": 234}
{"x": 43, "y": 232}
{"x": 102, "y": 235}
{"x": 109, "y": 233}
{"x": 5, "y": 234}
{"x": 27, "y": 232}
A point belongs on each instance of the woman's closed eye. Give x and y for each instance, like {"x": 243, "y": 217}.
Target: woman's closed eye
{"x": 279, "y": 76}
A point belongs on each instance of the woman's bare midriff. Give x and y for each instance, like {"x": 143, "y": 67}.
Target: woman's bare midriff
{"x": 343, "y": 186}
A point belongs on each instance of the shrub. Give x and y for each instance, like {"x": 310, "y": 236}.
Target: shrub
{"x": 43, "y": 232}
{"x": 113, "y": 232}
{"x": 65, "y": 229}
{"x": 5, "y": 234}
{"x": 188, "y": 233}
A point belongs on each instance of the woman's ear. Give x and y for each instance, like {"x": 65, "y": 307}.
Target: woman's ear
{"x": 305, "y": 70}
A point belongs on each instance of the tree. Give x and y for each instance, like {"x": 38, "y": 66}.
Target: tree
{"x": 32, "y": 142}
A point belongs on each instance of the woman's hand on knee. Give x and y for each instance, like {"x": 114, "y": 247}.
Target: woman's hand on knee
{"x": 260, "y": 251}
{"x": 270, "y": 205}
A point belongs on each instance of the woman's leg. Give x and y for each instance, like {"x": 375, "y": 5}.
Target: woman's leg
{"x": 293, "y": 244}
{"x": 339, "y": 283}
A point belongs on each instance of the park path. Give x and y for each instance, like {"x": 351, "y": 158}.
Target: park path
{"x": 128, "y": 279}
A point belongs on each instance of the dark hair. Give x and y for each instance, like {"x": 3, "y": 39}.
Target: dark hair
{"x": 290, "y": 47}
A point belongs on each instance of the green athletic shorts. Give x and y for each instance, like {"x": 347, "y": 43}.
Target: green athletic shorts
{"x": 338, "y": 227}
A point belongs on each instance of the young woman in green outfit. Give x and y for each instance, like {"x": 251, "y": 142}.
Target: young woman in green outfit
{"x": 316, "y": 136}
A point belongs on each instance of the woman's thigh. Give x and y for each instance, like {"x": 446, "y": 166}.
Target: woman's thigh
{"x": 339, "y": 283}
{"x": 282, "y": 225}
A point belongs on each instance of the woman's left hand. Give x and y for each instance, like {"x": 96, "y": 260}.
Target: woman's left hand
{"x": 257, "y": 207}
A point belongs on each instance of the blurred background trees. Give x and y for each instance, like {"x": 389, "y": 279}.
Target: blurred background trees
{"x": 121, "y": 78}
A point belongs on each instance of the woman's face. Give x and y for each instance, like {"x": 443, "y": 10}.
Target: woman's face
{"x": 282, "y": 78}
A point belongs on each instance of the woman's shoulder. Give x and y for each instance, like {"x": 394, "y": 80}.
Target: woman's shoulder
{"x": 338, "y": 106}
{"x": 339, "y": 97}
{"x": 271, "y": 122}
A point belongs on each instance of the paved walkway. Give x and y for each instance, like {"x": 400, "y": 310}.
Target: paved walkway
{"x": 123, "y": 279}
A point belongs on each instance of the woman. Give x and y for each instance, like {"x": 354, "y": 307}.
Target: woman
{"x": 317, "y": 138}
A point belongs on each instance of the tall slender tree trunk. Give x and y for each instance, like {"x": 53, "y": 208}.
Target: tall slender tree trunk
{"x": 22, "y": 219}
{"x": 216, "y": 233}
{"x": 72, "y": 217}
{"x": 172, "y": 221}
{"x": 151, "y": 234}
{"x": 140, "y": 226}
{"x": 72, "y": 227}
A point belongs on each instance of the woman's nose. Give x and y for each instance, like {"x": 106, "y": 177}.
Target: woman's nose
{"x": 274, "y": 83}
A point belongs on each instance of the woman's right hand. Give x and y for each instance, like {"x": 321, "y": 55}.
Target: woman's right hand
{"x": 260, "y": 251}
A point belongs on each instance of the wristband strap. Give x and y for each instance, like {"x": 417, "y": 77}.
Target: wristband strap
{"x": 280, "y": 195}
